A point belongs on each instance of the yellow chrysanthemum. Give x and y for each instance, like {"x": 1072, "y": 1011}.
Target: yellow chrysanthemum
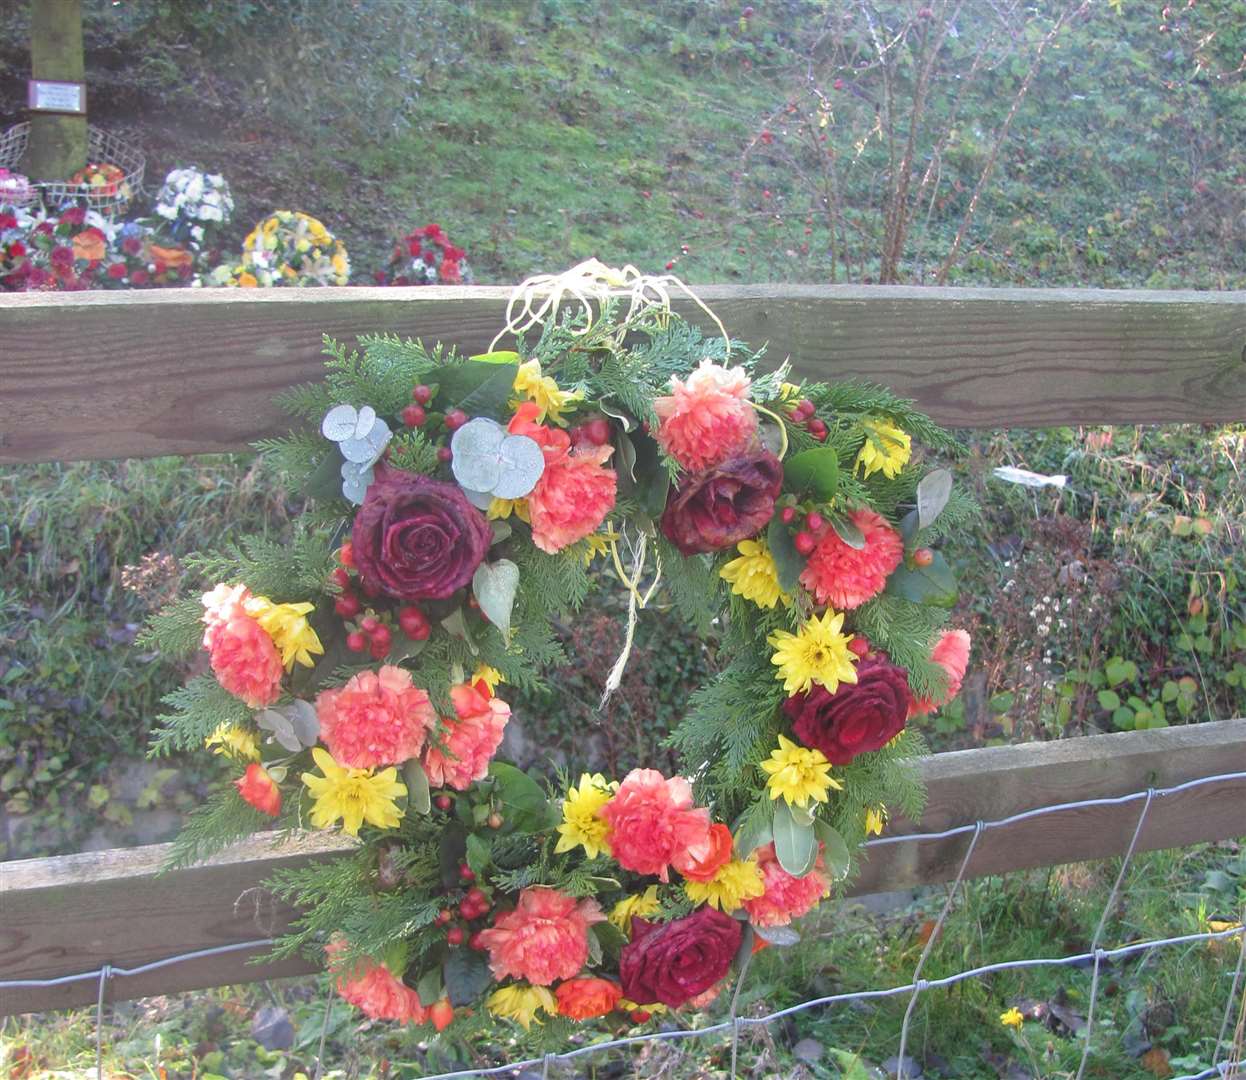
{"x": 655, "y": 1009}
{"x": 1012, "y": 1018}
{"x": 490, "y": 676}
{"x": 789, "y": 392}
{"x": 754, "y": 576}
{"x": 500, "y": 509}
{"x": 521, "y": 1002}
{"x": 887, "y": 448}
{"x": 582, "y": 823}
{"x": 817, "y": 653}
{"x": 641, "y": 905}
{"x": 798, "y": 774}
{"x": 232, "y": 741}
{"x": 875, "y": 820}
{"x": 736, "y": 881}
{"x": 354, "y": 795}
{"x": 597, "y": 544}
{"x": 287, "y": 625}
{"x": 544, "y": 391}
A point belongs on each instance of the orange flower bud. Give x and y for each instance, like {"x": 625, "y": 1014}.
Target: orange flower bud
{"x": 259, "y": 789}
{"x": 441, "y": 1013}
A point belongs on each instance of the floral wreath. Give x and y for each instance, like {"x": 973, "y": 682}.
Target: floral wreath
{"x": 458, "y": 504}
{"x": 288, "y": 247}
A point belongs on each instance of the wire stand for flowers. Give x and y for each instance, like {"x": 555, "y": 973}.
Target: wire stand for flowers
{"x": 102, "y": 146}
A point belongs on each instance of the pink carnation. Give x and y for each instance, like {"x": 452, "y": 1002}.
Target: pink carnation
{"x": 373, "y": 989}
{"x": 378, "y": 718}
{"x": 786, "y": 897}
{"x": 653, "y": 822}
{"x": 707, "y": 419}
{"x": 246, "y": 662}
{"x": 846, "y": 577}
{"x": 952, "y": 655}
{"x": 471, "y": 741}
{"x": 544, "y": 939}
{"x": 219, "y": 606}
{"x": 572, "y": 498}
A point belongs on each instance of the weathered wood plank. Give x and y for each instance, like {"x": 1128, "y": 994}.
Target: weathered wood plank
{"x": 74, "y": 913}
{"x": 135, "y": 374}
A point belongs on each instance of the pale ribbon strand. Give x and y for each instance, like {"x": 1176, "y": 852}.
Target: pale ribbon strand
{"x": 635, "y": 602}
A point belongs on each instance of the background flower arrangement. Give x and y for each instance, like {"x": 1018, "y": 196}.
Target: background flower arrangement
{"x": 425, "y": 257}
{"x": 194, "y": 204}
{"x": 358, "y": 677}
{"x": 287, "y": 248}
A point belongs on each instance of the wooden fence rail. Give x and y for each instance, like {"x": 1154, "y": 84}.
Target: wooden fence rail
{"x": 74, "y": 913}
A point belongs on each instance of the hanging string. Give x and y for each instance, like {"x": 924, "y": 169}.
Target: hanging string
{"x": 635, "y": 603}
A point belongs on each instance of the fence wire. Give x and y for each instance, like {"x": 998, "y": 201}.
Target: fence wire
{"x": 1095, "y": 956}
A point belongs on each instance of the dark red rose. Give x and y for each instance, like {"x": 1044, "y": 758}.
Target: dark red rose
{"x": 416, "y": 538}
{"x": 675, "y": 961}
{"x": 116, "y": 271}
{"x": 858, "y": 717}
{"x": 62, "y": 258}
{"x": 721, "y": 506}
{"x": 131, "y": 245}
{"x": 75, "y": 215}
{"x": 17, "y": 249}
{"x": 139, "y": 278}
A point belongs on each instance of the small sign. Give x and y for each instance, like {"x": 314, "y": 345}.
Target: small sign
{"x": 64, "y": 97}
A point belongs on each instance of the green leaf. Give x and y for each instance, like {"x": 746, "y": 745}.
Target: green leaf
{"x": 479, "y": 389}
{"x": 1171, "y": 691}
{"x": 787, "y": 561}
{"x": 1118, "y": 670}
{"x": 430, "y": 986}
{"x": 1109, "y": 699}
{"x": 524, "y": 805}
{"x": 932, "y": 495}
{"x": 610, "y": 940}
{"x": 479, "y": 854}
{"x": 848, "y": 531}
{"x": 1123, "y": 718}
{"x": 746, "y": 947}
{"x": 494, "y": 586}
{"x": 467, "y": 976}
{"x": 813, "y": 471}
{"x": 795, "y": 844}
{"x": 416, "y": 779}
{"x": 851, "y": 1066}
{"x": 777, "y": 935}
{"x": 500, "y": 357}
{"x": 934, "y": 584}
{"x": 756, "y": 831}
{"x": 653, "y": 482}
{"x": 835, "y": 849}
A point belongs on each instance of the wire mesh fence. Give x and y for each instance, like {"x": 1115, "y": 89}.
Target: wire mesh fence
{"x": 1227, "y": 1061}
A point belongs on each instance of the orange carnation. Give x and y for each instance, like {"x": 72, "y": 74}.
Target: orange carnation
{"x": 702, "y": 861}
{"x": 572, "y": 498}
{"x": 378, "y": 718}
{"x": 246, "y": 662}
{"x": 706, "y": 419}
{"x": 582, "y": 999}
{"x": 845, "y": 577}
{"x": 259, "y": 789}
{"x": 952, "y": 654}
{"x": 653, "y": 822}
{"x": 786, "y": 897}
{"x": 219, "y": 606}
{"x": 90, "y": 245}
{"x": 372, "y": 988}
{"x": 545, "y": 938}
{"x": 471, "y": 741}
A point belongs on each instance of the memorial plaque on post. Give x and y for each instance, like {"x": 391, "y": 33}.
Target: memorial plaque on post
{"x": 44, "y": 95}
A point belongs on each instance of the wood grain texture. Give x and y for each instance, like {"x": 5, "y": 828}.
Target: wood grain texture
{"x": 136, "y": 374}
{"x": 74, "y": 913}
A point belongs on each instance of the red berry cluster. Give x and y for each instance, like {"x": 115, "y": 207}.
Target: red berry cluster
{"x": 367, "y": 631}
{"x": 803, "y": 414}
{"x": 474, "y": 905}
{"x": 416, "y": 415}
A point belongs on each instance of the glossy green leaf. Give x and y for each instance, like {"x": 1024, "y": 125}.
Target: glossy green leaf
{"x": 494, "y": 585}
{"x": 795, "y": 844}
{"x": 500, "y": 357}
{"x": 419, "y": 798}
{"x": 812, "y": 472}
{"x": 523, "y": 802}
{"x": 787, "y": 560}
{"x": 934, "y": 584}
{"x": 834, "y": 849}
{"x": 467, "y": 976}
{"x": 932, "y": 495}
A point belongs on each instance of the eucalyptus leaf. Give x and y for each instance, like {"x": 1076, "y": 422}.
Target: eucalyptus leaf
{"x": 777, "y": 935}
{"x": 364, "y": 421}
{"x": 756, "y": 831}
{"x": 834, "y": 849}
{"x": 795, "y": 844}
{"x": 494, "y": 586}
{"x": 523, "y": 463}
{"x": 476, "y": 463}
{"x": 356, "y": 479}
{"x": 932, "y": 495}
{"x": 787, "y": 560}
{"x": 339, "y": 423}
{"x": 482, "y": 500}
{"x": 455, "y": 625}
{"x": 304, "y": 721}
{"x": 419, "y": 798}
{"x": 813, "y": 471}
{"x": 848, "y": 532}
{"x": 275, "y": 722}
{"x": 501, "y": 531}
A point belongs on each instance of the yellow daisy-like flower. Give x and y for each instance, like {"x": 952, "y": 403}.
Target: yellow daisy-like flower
{"x": 598, "y": 544}
{"x": 754, "y": 576}
{"x": 656, "y": 1009}
{"x": 736, "y": 881}
{"x": 521, "y": 1002}
{"x": 641, "y": 905}
{"x": 887, "y": 448}
{"x": 789, "y": 392}
{"x": 354, "y": 795}
{"x": 233, "y": 741}
{"x": 798, "y": 774}
{"x": 875, "y": 820}
{"x": 287, "y": 625}
{"x": 490, "y": 676}
{"x": 582, "y": 823}
{"x": 817, "y": 653}
{"x": 544, "y": 391}
{"x": 1012, "y": 1018}
{"x": 500, "y": 509}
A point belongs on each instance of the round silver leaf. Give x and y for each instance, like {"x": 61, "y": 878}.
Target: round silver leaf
{"x": 367, "y": 417}
{"x": 475, "y": 448}
{"x": 339, "y": 423}
{"x": 360, "y": 451}
{"x": 522, "y": 466}
{"x": 283, "y": 731}
{"x": 355, "y": 481}
{"x": 304, "y": 721}
{"x": 479, "y": 499}
{"x": 379, "y": 436}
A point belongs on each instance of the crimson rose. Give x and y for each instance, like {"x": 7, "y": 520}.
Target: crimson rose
{"x": 858, "y": 717}
{"x": 714, "y": 509}
{"x": 674, "y": 962}
{"x": 416, "y": 538}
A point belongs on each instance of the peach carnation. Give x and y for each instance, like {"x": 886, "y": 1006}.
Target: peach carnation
{"x": 223, "y": 603}
{"x": 786, "y": 897}
{"x": 246, "y": 662}
{"x": 952, "y": 655}
{"x": 706, "y": 419}
{"x": 653, "y": 823}
{"x": 544, "y": 939}
{"x": 583, "y": 999}
{"x": 470, "y": 741}
{"x": 572, "y": 498}
{"x": 373, "y": 989}
{"x": 378, "y": 718}
{"x": 845, "y": 577}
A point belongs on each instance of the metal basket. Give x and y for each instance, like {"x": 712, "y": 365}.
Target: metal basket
{"x": 102, "y": 146}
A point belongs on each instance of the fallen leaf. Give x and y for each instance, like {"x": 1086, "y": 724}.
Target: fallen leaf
{"x": 928, "y": 927}
{"x": 1155, "y": 1061}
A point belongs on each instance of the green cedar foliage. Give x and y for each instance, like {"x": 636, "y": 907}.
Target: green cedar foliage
{"x": 197, "y": 710}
